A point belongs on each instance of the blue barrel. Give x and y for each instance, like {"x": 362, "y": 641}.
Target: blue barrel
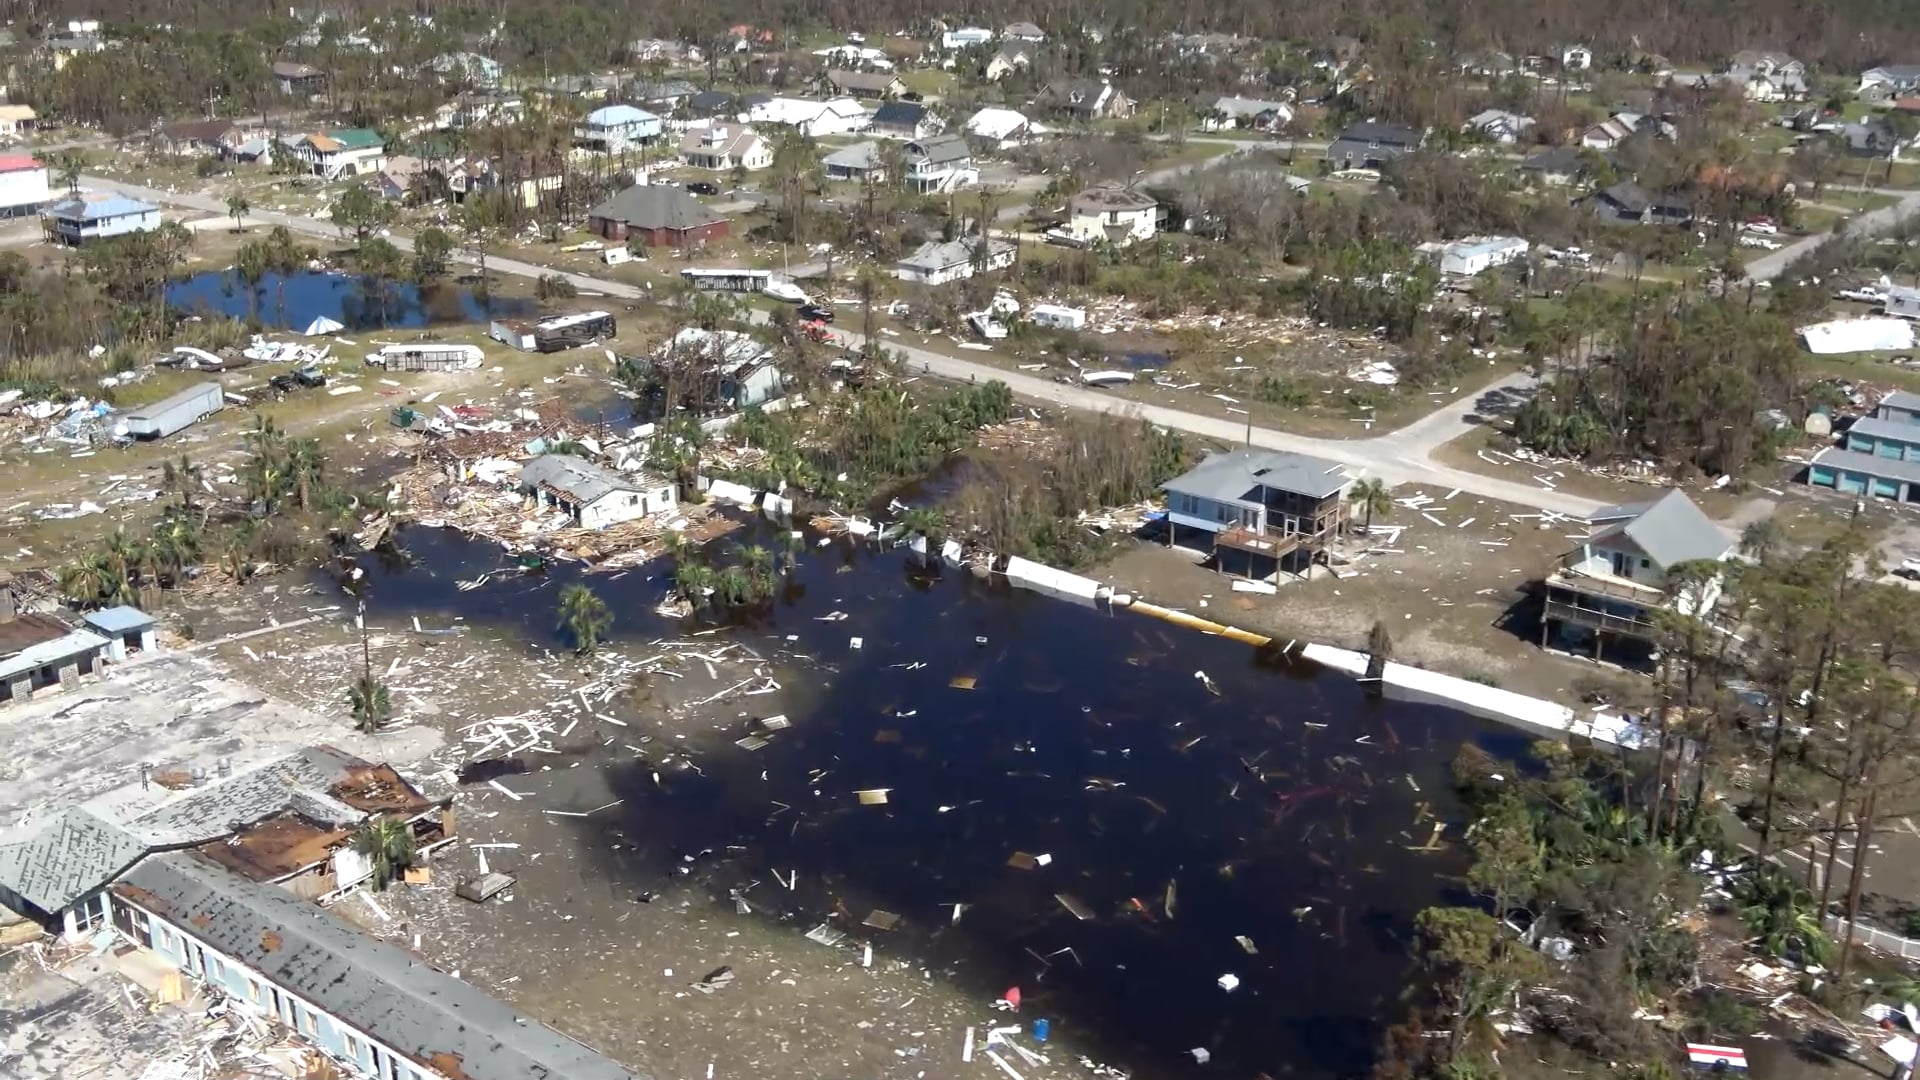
{"x": 1040, "y": 1030}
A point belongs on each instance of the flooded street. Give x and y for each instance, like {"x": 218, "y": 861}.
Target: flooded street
{"x": 1124, "y": 839}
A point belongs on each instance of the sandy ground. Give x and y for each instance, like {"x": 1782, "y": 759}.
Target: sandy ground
{"x": 1453, "y": 595}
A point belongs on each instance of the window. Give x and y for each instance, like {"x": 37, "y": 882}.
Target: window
{"x": 253, "y": 993}
{"x": 309, "y": 1022}
{"x": 1646, "y": 564}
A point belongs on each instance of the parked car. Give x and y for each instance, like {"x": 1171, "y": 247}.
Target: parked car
{"x": 702, "y": 187}
{"x": 299, "y": 378}
{"x": 816, "y": 313}
{"x": 1762, "y": 226}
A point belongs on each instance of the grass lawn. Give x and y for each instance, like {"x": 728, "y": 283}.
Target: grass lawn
{"x": 1814, "y": 219}
{"x": 1873, "y": 367}
{"x": 1857, "y": 200}
{"x": 1166, "y": 154}
{"x": 929, "y": 82}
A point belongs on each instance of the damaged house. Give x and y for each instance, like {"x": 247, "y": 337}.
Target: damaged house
{"x": 595, "y": 497}
{"x": 288, "y": 823}
{"x": 373, "y": 1007}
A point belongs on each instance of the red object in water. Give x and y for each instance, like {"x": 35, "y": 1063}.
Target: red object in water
{"x": 1012, "y": 996}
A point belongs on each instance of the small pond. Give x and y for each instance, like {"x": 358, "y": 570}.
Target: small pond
{"x": 292, "y": 301}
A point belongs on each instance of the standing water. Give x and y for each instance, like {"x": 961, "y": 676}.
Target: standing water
{"x": 1167, "y": 841}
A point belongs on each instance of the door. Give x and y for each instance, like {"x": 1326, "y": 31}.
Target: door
{"x": 1622, "y": 564}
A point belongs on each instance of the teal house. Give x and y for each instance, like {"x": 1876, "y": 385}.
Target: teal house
{"x": 1879, "y": 455}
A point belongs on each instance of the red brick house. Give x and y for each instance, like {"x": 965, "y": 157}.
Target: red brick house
{"x": 660, "y": 216}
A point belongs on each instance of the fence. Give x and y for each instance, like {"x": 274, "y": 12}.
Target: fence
{"x": 1874, "y": 938}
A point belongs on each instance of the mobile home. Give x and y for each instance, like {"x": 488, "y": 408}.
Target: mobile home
{"x": 427, "y": 356}
{"x": 182, "y": 409}
{"x": 572, "y": 331}
{"x": 1056, "y": 317}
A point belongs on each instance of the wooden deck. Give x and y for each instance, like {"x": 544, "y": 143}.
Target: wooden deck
{"x": 1270, "y": 545}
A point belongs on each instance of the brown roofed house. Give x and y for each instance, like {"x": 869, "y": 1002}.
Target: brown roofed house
{"x": 660, "y": 216}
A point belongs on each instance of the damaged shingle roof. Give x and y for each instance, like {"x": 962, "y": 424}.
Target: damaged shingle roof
{"x": 54, "y": 862}
{"x": 574, "y": 477}
{"x": 438, "y": 1021}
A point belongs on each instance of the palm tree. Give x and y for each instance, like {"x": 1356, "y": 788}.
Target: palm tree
{"x": 251, "y": 265}
{"x": 928, "y": 521}
{"x": 84, "y": 581}
{"x": 236, "y": 552}
{"x": 180, "y": 475}
{"x": 584, "y": 616}
{"x": 237, "y": 207}
{"x": 734, "y": 585}
{"x": 693, "y": 581}
{"x": 69, "y": 167}
{"x": 175, "y": 545}
{"x": 265, "y": 435}
{"x": 120, "y": 554}
{"x": 267, "y": 481}
{"x": 387, "y": 844}
{"x": 1781, "y": 914}
{"x": 1761, "y": 540}
{"x": 755, "y": 558}
{"x": 1372, "y": 497}
{"x": 304, "y": 465}
{"x": 790, "y": 544}
{"x": 371, "y": 705}
{"x": 758, "y": 562}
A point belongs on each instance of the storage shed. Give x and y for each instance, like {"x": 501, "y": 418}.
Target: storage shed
{"x": 127, "y": 630}
{"x": 182, "y": 409}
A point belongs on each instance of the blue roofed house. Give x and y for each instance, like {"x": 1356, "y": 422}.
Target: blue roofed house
{"x": 1615, "y": 584}
{"x": 613, "y": 129}
{"x": 1879, "y": 455}
{"x": 126, "y": 628}
{"x": 1262, "y": 510}
{"x": 97, "y": 215}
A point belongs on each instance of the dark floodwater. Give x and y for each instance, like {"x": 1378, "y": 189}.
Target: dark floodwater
{"x": 346, "y": 298}
{"x": 1087, "y": 737}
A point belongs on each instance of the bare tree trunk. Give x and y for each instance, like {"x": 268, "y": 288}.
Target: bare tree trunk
{"x": 1833, "y": 839}
{"x": 1773, "y": 775}
{"x": 1864, "y": 830}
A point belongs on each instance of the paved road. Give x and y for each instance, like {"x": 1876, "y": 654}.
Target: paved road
{"x": 1769, "y": 266}
{"x": 1402, "y": 456}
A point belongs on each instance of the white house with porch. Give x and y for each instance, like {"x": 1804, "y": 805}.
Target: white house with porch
{"x": 1615, "y": 584}
{"x": 594, "y": 496}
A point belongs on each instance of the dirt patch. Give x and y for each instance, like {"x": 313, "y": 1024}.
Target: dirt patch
{"x": 1487, "y": 452}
